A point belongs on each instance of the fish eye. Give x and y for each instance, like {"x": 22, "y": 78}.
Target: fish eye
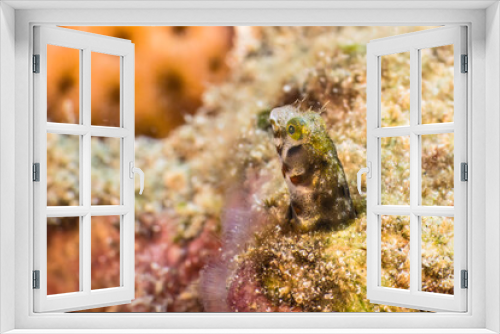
{"x": 296, "y": 128}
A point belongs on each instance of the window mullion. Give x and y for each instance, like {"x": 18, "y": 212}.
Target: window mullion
{"x": 109, "y": 132}
{"x": 414, "y": 171}
{"x": 433, "y": 129}
{"x": 67, "y": 129}
{"x": 85, "y": 161}
{"x": 393, "y": 131}
{"x": 422, "y": 211}
{"x": 109, "y": 210}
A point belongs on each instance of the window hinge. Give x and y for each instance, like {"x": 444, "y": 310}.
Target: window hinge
{"x": 465, "y": 64}
{"x": 36, "y": 172}
{"x": 465, "y": 279}
{"x": 36, "y": 279}
{"x": 36, "y": 63}
{"x": 464, "y": 173}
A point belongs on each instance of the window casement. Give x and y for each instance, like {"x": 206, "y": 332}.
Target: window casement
{"x": 420, "y": 131}
{"x": 84, "y": 133}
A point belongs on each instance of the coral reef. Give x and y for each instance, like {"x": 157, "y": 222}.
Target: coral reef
{"x": 190, "y": 217}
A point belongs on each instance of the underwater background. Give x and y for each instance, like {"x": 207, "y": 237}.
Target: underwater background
{"x": 210, "y": 228}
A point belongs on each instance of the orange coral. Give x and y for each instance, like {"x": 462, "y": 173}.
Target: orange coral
{"x": 174, "y": 66}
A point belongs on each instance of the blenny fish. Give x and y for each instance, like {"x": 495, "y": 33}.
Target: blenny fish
{"x": 319, "y": 193}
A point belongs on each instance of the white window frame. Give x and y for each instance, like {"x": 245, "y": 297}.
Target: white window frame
{"x": 413, "y": 43}
{"x": 86, "y": 44}
{"x": 15, "y": 260}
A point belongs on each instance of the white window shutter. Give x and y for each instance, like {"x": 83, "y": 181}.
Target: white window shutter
{"x": 86, "y": 43}
{"x": 414, "y": 297}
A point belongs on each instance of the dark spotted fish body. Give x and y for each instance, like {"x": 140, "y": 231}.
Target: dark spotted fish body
{"x": 319, "y": 194}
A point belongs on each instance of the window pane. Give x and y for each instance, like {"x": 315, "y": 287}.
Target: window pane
{"x": 437, "y": 84}
{"x": 395, "y": 252}
{"x": 63, "y": 84}
{"x": 437, "y": 254}
{"x": 395, "y": 89}
{"x": 395, "y": 170}
{"x": 63, "y": 169}
{"x": 105, "y": 251}
{"x": 105, "y": 89}
{"x": 63, "y": 255}
{"x": 105, "y": 171}
{"x": 437, "y": 169}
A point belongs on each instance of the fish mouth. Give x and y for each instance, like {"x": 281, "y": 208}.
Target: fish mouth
{"x": 294, "y": 151}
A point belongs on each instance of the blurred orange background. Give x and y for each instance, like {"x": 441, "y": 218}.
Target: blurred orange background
{"x": 173, "y": 67}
